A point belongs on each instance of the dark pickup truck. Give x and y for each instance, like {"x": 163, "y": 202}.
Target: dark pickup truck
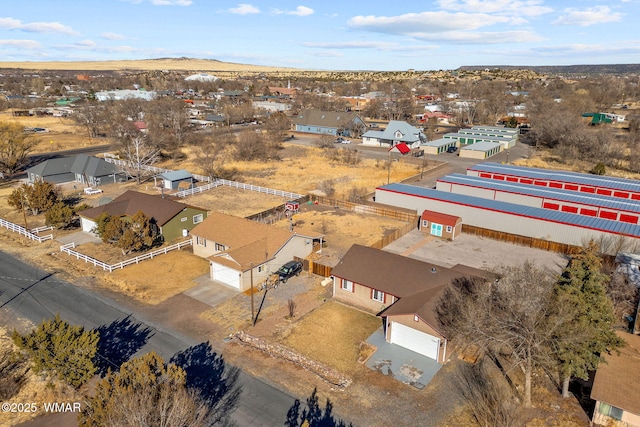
{"x": 291, "y": 268}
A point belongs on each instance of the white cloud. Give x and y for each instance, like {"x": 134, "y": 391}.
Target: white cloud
{"x": 244, "y": 9}
{"x": 37, "y": 27}
{"x": 424, "y": 22}
{"x": 499, "y": 7}
{"x": 171, "y": 2}
{"x": 356, "y": 44}
{"x": 21, "y": 44}
{"x": 301, "y": 11}
{"x": 86, "y": 43}
{"x": 588, "y": 16}
{"x": 113, "y": 36}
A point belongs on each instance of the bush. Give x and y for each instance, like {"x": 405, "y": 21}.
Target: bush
{"x": 599, "y": 169}
{"x": 60, "y": 215}
{"x": 66, "y": 351}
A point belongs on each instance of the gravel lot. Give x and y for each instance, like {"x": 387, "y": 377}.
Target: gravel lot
{"x": 475, "y": 252}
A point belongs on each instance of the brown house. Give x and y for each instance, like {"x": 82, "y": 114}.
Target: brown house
{"x": 401, "y": 290}
{"x": 440, "y": 225}
{"x": 616, "y": 387}
{"x": 241, "y": 251}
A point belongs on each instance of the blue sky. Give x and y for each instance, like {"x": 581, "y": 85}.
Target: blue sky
{"x": 328, "y": 35}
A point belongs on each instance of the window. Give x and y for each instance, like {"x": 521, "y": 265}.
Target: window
{"x": 201, "y": 241}
{"x": 449, "y": 229}
{"x": 198, "y": 218}
{"x": 260, "y": 268}
{"x": 425, "y": 223}
{"x": 610, "y": 411}
{"x": 183, "y": 219}
{"x": 219, "y": 247}
{"x": 347, "y": 285}
{"x": 415, "y": 318}
{"x": 377, "y": 295}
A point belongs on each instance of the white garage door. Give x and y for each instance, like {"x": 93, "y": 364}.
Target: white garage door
{"x": 226, "y": 275}
{"x": 87, "y": 225}
{"x": 414, "y": 340}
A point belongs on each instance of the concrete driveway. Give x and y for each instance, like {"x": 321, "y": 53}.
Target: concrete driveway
{"x": 210, "y": 292}
{"x": 78, "y": 238}
{"x": 400, "y": 363}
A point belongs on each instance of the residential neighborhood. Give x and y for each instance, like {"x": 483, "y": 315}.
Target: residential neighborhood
{"x": 284, "y": 237}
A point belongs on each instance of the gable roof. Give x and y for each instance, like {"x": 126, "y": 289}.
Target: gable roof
{"x": 92, "y": 166}
{"x": 325, "y": 118}
{"x": 162, "y": 210}
{"x": 246, "y": 241}
{"x": 408, "y": 132}
{"x": 402, "y": 148}
{"x": 617, "y": 382}
{"x": 176, "y": 175}
{"x": 440, "y": 218}
{"x": 395, "y": 274}
{"x": 55, "y": 166}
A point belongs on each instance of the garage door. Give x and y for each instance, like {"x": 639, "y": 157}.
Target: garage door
{"x": 226, "y": 275}
{"x": 414, "y": 340}
{"x": 87, "y": 225}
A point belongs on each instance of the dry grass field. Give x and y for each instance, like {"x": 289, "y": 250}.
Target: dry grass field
{"x": 63, "y": 133}
{"x": 326, "y": 325}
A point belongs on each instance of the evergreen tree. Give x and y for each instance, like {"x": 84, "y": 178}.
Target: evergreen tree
{"x": 581, "y": 293}
{"x": 60, "y": 215}
{"x": 64, "y": 350}
{"x": 145, "y": 392}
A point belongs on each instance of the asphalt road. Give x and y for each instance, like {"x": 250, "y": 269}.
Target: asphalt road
{"x": 28, "y": 293}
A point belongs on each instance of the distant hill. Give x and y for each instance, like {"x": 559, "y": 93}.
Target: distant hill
{"x": 170, "y": 64}
{"x": 564, "y": 69}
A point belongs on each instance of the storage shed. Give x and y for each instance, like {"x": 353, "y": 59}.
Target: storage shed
{"x": 480, "y": 150}
{"x": 440, "y": 225}
{"x": 438, "y": 146}
{"x": 173, "y": 179}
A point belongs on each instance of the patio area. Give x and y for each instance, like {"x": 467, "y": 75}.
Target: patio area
{"x": 402, "y": 364}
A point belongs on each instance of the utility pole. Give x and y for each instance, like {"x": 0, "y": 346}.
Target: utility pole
{"x": 24, "y": 211}
{"x": 252, "y": 306}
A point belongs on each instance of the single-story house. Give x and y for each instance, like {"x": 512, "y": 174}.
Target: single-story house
{"x": 240, "y": 250}
{"x": 171, "y": 180}
{"x": 616, "y": 386}
{"x": 328, "y": 123}
{"x": 395, "y": 133}
{"x": 174, "y": 219}
{"x": 403, "y": 291}
{"x": 440, "y": 224}
{"x": 87, "y": 170}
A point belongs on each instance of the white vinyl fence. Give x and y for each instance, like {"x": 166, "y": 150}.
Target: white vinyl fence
{"x": 30, "y": 234}
{"x": 68, "y": 249}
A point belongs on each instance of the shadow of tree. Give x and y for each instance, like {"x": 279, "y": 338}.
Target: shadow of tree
{"x": 313, "y": 415}
{"x": 118, "y": 342}
{"x": 215, "y": 382}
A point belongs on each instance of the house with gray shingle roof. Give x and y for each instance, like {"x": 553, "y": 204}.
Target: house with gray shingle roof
{"x": 395, "y": 133}
{"x": 87, "y": 170}
{"x": 328, "y": 123}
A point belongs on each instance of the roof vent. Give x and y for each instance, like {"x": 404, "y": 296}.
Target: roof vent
{"x": 433, "y": 269}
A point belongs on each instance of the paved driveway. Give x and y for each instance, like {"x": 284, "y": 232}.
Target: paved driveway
{"x": 78, "y": 238}
{"x": 210, "y": 292}
{"x": 402, "y": 364}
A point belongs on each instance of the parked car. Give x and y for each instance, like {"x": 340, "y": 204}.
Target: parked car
{"x": 452, "y": 149}
{"x": 345, "y": 141}
{"x": 290, "y": 269}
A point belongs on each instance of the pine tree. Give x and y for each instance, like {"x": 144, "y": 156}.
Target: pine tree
{"x": 64, "y": 350}
{"x": 587, "y": 332}
{"x": 145, "y": 391}
{"x": 60, "y": 215}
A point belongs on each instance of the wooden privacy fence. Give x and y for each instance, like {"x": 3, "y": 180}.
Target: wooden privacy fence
{"x": 371, "y": 209}
{"x": 532, "y": 242}
{"x": 68, "y": 249}
{"x": 30, "y": 234}
{"x": 273, "y": 215}
{"x": 315, "y": 267}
